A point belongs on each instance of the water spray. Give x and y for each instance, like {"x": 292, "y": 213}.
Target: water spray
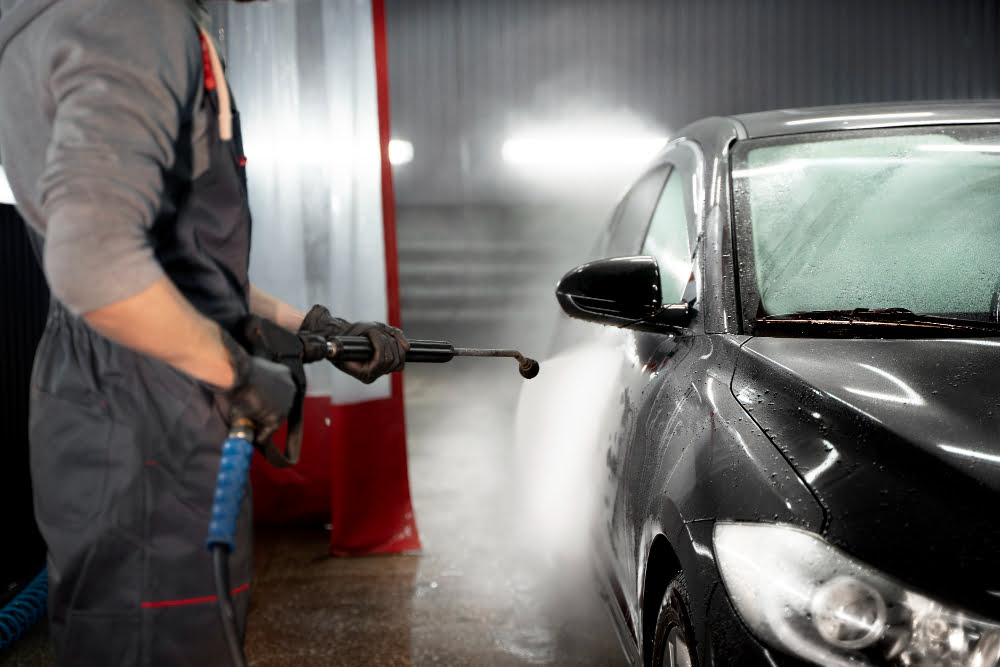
{"x": 237, "y": 450}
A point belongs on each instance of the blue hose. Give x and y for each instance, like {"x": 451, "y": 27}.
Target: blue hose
{"x": 234, "y": 468}
{"x": 26, "y": 609}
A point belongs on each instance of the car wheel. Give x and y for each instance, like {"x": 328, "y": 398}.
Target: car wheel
{"x": 673, "y": 641}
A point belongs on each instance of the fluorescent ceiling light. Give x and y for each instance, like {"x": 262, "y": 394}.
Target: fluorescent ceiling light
{"x": 400, "y": 151}
{"x": 580, "y": 152}
{"x": 6, "y": 196}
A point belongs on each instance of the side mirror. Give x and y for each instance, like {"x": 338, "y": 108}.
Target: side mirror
{"x": 623, "y": 292}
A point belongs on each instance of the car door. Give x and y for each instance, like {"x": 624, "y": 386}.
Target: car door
{"x": 648, "y": 382}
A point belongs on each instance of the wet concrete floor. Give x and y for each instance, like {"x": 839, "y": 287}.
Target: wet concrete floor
{"x": 478, "y": 593}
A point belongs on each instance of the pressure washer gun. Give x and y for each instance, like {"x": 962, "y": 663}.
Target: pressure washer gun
{"x": 359, "y": 348}
{"x": 237, "y": 450}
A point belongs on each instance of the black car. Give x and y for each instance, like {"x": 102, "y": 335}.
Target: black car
{"x": 795, "y": 417}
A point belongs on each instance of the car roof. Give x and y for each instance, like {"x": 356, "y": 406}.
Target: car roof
{"x": 863, "y": 116}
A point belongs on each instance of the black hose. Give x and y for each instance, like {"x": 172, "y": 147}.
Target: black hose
{"x": 234, "y": 466}
{"x": 220, "y": 562}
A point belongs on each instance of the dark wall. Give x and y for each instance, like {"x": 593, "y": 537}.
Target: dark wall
{"x": 23, "y": 304}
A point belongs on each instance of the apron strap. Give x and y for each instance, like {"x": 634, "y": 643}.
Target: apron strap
{"x": 215, "y": 79}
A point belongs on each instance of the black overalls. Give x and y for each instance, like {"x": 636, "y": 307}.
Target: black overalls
{"x": 125, "y": 450}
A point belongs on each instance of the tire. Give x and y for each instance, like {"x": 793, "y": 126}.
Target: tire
{"x": 673, "y": 641}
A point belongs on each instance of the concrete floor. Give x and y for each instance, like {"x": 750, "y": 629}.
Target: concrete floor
{"x": 478, "y": 593}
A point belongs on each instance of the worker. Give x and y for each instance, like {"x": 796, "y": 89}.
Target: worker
{"x": 123, "y": 150}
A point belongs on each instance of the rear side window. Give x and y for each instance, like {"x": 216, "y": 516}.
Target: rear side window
{"x": 634, "y": 214}
{"x": 667, "y": 240}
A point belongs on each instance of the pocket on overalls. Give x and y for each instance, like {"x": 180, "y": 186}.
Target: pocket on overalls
{"x": 70, "y": 442}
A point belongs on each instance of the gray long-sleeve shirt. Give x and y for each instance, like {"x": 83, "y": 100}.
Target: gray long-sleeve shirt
{"x": 93, "y": 98}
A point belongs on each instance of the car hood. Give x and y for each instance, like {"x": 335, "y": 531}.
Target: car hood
{"x": 900, "y": 442}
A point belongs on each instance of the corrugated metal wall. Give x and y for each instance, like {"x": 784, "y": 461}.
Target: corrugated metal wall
{"x": 466, "y": 74}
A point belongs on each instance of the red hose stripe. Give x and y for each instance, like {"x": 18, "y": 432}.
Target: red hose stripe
{"x": 178, "y": 603}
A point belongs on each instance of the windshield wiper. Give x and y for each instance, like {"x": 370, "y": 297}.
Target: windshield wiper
{"x": 905, "y": 322}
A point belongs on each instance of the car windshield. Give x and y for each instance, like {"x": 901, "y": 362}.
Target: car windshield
{"x": 877, "y": 219}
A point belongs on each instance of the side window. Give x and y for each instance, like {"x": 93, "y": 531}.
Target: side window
{"x": 667, "y": 239}
{"x": 634, "y": 213}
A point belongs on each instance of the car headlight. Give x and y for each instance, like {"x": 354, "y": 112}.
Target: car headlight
{"x": 798, "y": 593}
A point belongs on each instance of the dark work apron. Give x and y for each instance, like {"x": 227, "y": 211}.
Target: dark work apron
{"x": 125, "y": 450}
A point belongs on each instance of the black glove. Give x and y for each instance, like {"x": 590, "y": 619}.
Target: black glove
{"x": 389, "y": 343}
{"x": 263, "y": 391}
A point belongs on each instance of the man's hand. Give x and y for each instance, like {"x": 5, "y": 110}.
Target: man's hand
{"x": 389, "y": 343}
{"x": 263, "y": 392}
